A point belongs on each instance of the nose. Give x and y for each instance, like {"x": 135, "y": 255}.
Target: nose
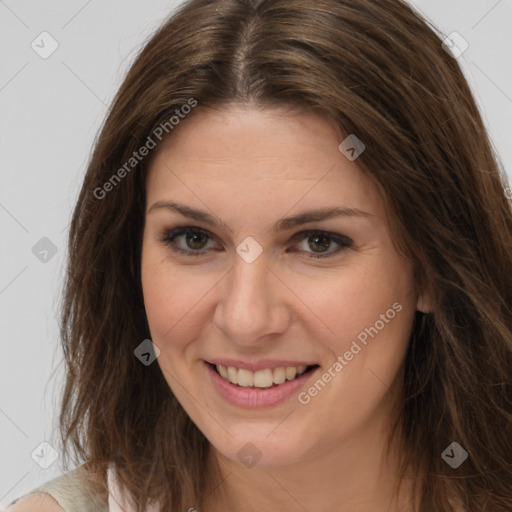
{"x": 251, "y": 303}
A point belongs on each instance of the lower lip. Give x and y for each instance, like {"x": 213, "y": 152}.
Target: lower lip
{"x": 255, "y": 398}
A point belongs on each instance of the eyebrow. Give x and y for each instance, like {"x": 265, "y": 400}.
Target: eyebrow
{"x": 281, "y": 225}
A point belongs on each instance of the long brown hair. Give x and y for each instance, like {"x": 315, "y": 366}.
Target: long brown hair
{"x": 379, "y": 71}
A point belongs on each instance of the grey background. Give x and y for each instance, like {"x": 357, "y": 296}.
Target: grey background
{"x": 50, "y": 112}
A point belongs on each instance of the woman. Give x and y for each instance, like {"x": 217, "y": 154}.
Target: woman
{"x": 289, "y": 275}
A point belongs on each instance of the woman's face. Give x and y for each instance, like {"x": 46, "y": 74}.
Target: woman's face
{"x": 249, "y": 294}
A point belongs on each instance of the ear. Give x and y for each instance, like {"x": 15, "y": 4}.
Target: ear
{"x": 424, "y": 303}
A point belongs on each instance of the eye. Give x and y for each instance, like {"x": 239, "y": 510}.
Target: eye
{"x": 195, "y": 240}
{"x": 320, "y": 241}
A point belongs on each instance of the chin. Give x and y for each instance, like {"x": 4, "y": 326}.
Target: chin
{"x": 255, "y": 447}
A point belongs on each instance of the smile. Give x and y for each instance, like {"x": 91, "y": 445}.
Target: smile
{"x": 265, "y": 378}
{"x": 263, "y": 387}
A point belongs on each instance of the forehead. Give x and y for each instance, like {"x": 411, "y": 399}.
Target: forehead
{"x": 241, "y": 132}
{"x": 263, "y": 155}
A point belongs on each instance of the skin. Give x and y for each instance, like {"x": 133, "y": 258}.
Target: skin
{"x": 252, "y": 167}
{"x": 39, "y": 502}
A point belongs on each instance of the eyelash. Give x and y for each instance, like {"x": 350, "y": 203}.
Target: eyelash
{"x": 168, "y": 239}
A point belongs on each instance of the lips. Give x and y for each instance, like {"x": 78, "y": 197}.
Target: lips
{"x": 259, "y": 397}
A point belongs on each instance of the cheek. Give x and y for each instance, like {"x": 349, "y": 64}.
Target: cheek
{"x": 354, "y": 298}
{"x": 173, "y": 299}
{"x": 161, "y": 291}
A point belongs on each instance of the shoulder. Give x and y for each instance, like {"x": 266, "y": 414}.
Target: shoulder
{"x": 77, "y": 490}
{"x": 38, "y": 501}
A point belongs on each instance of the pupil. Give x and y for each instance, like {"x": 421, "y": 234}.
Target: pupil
{"x": 315, "y": 239}
{"x": 194, "y": 238}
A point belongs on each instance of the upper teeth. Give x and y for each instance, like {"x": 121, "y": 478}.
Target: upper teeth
{"x": 261, "y": 378}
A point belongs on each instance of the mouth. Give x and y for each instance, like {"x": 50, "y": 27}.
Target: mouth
{"x": 266, "y": 378}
